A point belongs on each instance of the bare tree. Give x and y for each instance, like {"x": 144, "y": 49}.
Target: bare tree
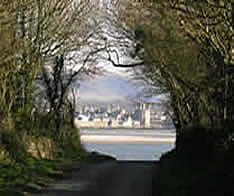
{"x": 167, "y": 56}
{"x": 35, "y": 31}
{"x": 65, "y": 65}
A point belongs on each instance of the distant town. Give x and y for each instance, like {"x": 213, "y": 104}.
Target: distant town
{"x": 138, "y": 115}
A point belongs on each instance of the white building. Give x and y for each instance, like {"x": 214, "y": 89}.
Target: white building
{"x": 145, "y": 115}
{"x": 128, "y": 123}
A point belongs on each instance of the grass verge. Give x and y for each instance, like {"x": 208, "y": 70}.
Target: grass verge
{"x": 34, "y": 174}
{"x": 21, "y": 173}
{"x": 17, "y": 178}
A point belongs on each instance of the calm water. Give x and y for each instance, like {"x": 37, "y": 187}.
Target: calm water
{"x": 130, "y": 150}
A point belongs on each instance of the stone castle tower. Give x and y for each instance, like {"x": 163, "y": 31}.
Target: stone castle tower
{"x": 145, "y": 115}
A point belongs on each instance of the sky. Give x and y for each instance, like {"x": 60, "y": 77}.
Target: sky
{"x": 108, "y": 88}
{"x": 117, "y": 84}
{"x": 114, "y": 87}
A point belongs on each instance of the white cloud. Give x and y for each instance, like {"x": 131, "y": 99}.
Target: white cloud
{"x": 104, "y": 96}
{"x": 103, "y": 89}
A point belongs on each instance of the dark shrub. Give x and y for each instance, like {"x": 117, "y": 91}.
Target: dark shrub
{"x": 196, "y": 142}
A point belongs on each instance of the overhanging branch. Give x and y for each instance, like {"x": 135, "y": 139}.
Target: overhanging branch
{"x": 123, "y": 65}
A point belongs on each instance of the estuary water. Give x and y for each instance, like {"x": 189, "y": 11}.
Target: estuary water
{"x": 129, "y": 144}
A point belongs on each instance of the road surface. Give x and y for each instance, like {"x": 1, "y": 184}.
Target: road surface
{"x": 110, "y": 178}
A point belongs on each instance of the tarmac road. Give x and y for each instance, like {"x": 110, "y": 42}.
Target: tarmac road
{"x": 110, "y": 178}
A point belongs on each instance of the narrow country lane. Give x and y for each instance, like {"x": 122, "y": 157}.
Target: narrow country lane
{"x": 111, "y": 178}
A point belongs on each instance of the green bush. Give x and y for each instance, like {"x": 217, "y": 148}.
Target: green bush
{"x": 68, "y": 139}
{"x": 13, "y": 144}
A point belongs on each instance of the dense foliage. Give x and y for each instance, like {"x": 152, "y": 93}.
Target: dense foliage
{"x": 186, "y": 50}
{"x": 32, "y": 33}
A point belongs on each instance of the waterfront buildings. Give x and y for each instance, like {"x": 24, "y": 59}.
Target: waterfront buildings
{"x": 139, "y": 115}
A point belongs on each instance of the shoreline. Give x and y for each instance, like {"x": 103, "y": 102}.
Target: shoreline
{"x": 110, "y": 139}
{"x": 128, "y": 128}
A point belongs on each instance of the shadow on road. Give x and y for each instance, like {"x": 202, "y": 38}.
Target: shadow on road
{"x": 108, "y": 178}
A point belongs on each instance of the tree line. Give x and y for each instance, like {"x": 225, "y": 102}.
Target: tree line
{"x": 38, "y": 64}
{"x": 181, "y": 48}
